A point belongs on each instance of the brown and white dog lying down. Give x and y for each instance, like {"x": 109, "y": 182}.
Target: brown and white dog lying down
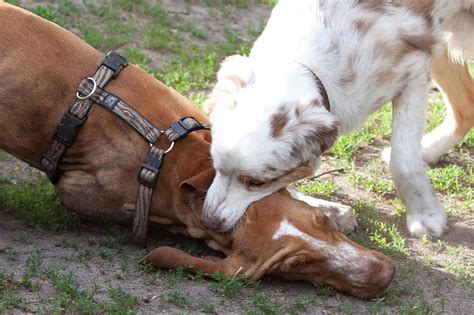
{"x": 42, "y": 64}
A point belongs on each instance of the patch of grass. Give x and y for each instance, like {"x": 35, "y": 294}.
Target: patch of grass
{"x": 122, "y": 302}
{"x": 323, "y": 187}
{"x": 323, "y": 290}
{"x": 207, "y": 307}
{"x": 34, "y": 202}
{"x": 416, "y": 307}
{"x": 382, "y": 235}
{"x": 48, "y": 13}
{"x": 453, "y": 179}
{"x": 229, "y": 287}
{"x": 163, "y": 39}
{"x": 8, "y": 298}
{"x": 136, "y": 56}
{"x": 345, "y": 146}
{"x": 176, "y": 298}
{"x": 115, "y": 239}
{"x": 194, "y": 30}
{"x": 298, "y": 305}
{"x": 70, "y": 298}
{"x": 15, "y": 2}
{"x": 458, "y": 263}
{"x": 373, "y": 178}
{"x": 264, "y": 303}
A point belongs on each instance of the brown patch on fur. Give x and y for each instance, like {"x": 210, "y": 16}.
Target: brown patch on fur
{"x": 321, "y": 139}
{"x": 385, "y": 76}
{"x": 424, "y": 42}
{"x": 363, "y": 25}
{"x": 407, "y": 44}
{"x": 373, "y": 5}
{"x": 420, "y": 7}
{"x": 325, "y": 136}
{"x": 278, "y": 123}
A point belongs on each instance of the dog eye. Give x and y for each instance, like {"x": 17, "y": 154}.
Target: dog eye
{"x": 255, "y": 183}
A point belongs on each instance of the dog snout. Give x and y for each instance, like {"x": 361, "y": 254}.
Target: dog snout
{"x": 384, "y": 275}
{"x": 212, "y": 222}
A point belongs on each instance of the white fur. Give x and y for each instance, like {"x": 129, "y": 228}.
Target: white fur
{"x": 324, "y": 39}
{"x": 343, "y": 257}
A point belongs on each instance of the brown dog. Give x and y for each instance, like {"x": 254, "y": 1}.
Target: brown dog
{"x": 41, "y": 66}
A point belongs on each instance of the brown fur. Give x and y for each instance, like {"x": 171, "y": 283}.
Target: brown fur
{"x": 457, "y": 86}
{"x": 278, "y": 123}
{"x": 99, "y": 170}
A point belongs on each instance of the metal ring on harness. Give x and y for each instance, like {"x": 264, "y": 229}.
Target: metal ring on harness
{"x": 94, "y": 88}
{"x": 169, "y": 148}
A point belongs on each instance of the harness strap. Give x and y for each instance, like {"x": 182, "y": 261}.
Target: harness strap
{"x": 90, "y": 90}
{"x": 147, "y": 177}
{"x": 180, "y": 129}
{"x": 76, "y": 115}
{"x": 118, "y": 107}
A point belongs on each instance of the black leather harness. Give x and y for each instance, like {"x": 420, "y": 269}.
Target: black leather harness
{"x": 89, "y": 92}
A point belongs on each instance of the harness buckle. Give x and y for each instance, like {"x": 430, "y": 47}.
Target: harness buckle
{"x": 153, "y": 165}
{"x": 67, "y": 129}
{"x": 182, "y": 129}
{"x": 114, "y": 62}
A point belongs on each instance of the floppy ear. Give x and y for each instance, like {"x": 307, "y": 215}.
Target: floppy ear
{"x": 234, "y": 74}
{"x": 312, "y": 129}
{"x": 199, "y": 182}
{"x": 169, "y": 257}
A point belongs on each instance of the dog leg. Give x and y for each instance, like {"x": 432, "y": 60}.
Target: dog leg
{"x": 457, "y": 87}
{"x": 340, "y": 214}
{"x": 425, "y": 216}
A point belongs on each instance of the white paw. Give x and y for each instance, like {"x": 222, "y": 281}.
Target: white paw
{"x": 430, "y": 155}
{"x": 427, "y": 224}
{"x": 386, "y": 155}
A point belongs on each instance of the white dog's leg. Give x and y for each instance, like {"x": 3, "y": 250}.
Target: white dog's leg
{"x": 425, "y": 215}
{"x": 340, "y": 214}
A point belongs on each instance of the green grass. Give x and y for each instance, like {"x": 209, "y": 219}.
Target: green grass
{"x": 378, "y": 233}
{"x": 34, "y": 202}
{"x": 322, "y": 187}
{"x": 176, "y": 298}
{"x": 229, "y": 287}
{"x": 264, "y": 303}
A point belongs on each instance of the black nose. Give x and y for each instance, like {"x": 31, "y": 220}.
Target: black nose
{"x": 212, "y": 223}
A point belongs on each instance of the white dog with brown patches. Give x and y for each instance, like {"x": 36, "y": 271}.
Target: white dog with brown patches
{"x": 319, "y": 69}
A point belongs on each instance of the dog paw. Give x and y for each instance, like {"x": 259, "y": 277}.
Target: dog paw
{"x": 385, "y": 155}
{"x": 427, "y": 224}
{"x": 430, "y": 155}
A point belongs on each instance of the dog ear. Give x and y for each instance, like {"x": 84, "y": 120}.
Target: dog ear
{"x": 235, "y": 73}
{"x": 169, "y": 257}
{"x": 313, "y": 129}
{"x": 199, "y": 182}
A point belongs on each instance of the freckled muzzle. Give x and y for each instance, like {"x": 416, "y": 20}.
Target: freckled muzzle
{"x": 372, "y": 282}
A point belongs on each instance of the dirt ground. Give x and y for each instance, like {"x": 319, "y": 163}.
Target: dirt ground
{"x": 433, "y": 276}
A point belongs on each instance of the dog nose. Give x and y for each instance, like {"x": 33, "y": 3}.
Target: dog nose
{"x": 211, "y": 222}
{"x": 384, "y": 276}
